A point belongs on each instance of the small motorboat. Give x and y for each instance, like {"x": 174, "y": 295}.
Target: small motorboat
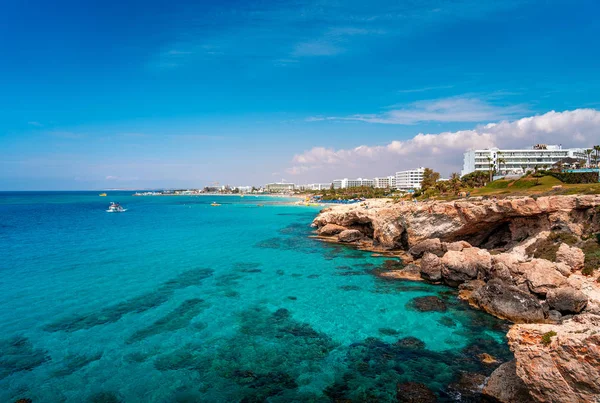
{"x": 214, "y": 204}
{"x": 102, "y": 195}
{"x": 115, "y": 208}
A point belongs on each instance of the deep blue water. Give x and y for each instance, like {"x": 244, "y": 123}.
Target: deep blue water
{"x": 175, "y": 300}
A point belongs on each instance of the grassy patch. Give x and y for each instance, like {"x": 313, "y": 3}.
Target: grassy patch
{"x": 547, "y": 337}
{"x": 547, "y": 248}
{"x": 591, "y": 249}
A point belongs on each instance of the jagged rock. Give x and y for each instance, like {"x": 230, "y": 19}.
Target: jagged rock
{"x": 398, "y": 225}
{"x": 487, "y": 359}
{"x": 505, "y": 386}
{"x": 465, "y": 290}
{"x": 567, "y": 369}
{"x": 542, "y": 276}
{"x": 413, "y": 392}
{"x": 331, "y": 229}
{"x": 508, "y": 302}
{"x": 571, "y": 256}
{"x": 563, "y": 269}
{"x": 456, "y": 246}
{"x": 349, "y": 235}
{"x": 428, "y": 245}
{"x": 504, "y": 265}
{"x": 554, "y": 316}
{"x": 431, "y": 267}
{"x": 566, "y": 300}
{"x": 465, "y": 265}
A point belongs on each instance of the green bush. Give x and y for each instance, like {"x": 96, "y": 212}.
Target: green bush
{"x": 574, "y": 177}
{"x": 547, "y": 337}
{"x": 591, "y": 249}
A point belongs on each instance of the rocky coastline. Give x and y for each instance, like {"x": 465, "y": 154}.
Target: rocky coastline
{"x": 532, "y": 261}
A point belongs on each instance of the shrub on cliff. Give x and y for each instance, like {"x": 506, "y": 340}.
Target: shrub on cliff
{"x": 547, "y": 337}
{"x": 574, "y": 177}
{"x": 547, "y": 248}
{"x": 591, "y": 249}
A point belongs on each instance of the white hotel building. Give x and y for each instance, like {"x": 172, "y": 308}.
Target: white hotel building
{"x": 410, "y": 179}
{"x": 385, "y": 182}
{"x": 352, "y": 183}
{"x": 315, "y": 186}
{"x": 517, "y": 161}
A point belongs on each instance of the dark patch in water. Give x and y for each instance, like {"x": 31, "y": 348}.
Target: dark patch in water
{"x": 387, "y": 331}
{"x": 247, "y": 267}
{"x": 447, "y": 321}
{"x": 427, "y": 304}
{"x": 291, "y": 297}
{"x": 231, "y": 294}
{"x": 280, "y": 272}
{"x": 228, "y": 279}
{"x": 351, "y": 273}
{"x": 314, "y": 275}
{"x": 261, "y": 362}
{"x": 411, "y": 342}
{"x": 18, "y": 354}
{"x": 139, "y": 304}
{"x": 105, "y": 397}
{"x": 349, "y": 287}
{"x": 175, "y": 320}
{"x": 75, "y": 362}
{"x": 297, "y": 275}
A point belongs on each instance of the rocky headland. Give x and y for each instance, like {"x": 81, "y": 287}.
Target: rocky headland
{"x": 532, "y": 261}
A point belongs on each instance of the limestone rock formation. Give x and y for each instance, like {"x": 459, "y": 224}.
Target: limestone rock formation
{"x": 505, "y": 386}
{"x": 431, "y": 267}
{"x": 349, "y": 235}
{"x": 331, "y": 229}
{"x": 542, "y": 276}
{"x": 465, "y": 265}
{"x": 508, "y": 302}
{"x": 566, "y": 300}
{"x": 428, "y": 245}
{"x": 567, "y": 369}
{"x": 573, "y": 257}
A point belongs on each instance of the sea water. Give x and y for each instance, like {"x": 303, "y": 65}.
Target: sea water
{"x": 176, "y": 300}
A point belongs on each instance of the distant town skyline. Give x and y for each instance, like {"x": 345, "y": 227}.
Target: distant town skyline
{"x": 185, "y": 94}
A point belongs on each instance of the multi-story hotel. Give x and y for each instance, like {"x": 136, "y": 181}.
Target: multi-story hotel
{"x": 352, "y": 183}
{"x": 539, "y": 156}
{"x": 385, "y": 182}
{"x": 410, "y": 179}
{"x": 315, "y": 186}
{"x": 279, "y": 187}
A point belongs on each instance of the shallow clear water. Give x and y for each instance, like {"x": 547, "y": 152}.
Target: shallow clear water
{"x": 175, "y": 300}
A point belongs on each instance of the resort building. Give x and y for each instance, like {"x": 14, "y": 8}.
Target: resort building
{"x": 244, "y": 189}
{"x": 352, "y": 183}
{"x": 410, "y": 179}
{"x": 540, "y": 156}
{"x": 279, "y": 187}
{"x": 315, "y": 186}
{"x": 385, "y": 182}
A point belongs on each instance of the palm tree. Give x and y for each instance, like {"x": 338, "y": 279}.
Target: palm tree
{"x": 589, "y": 155}
{"x": 597, "y": 150}
{"x": 491, "y": 167}
{"x": 500, "y": 162}
{"x": 455, "y": 182}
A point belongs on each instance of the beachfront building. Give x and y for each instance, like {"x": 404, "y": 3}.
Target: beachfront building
{"x": 280, "y": 187}
{"x": 352, "y": 183}
{"x": 244, "y": 189}
{"x": 410, "y": 179}
{"x": 540, "y": 156}
{"x": 315, "y": 186}
{"x": 385, "y": 182}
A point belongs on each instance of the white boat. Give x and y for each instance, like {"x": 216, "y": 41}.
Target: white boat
{"x": 115, "y": 208}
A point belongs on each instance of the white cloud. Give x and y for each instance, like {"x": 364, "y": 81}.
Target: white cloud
{"x": 454, "y": 109}
{"x": 36, "y": 124}
{"x": 444, "y": 151}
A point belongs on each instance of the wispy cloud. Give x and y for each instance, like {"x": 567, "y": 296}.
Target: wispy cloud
{"x": 444, "y": 151}
{"x": 454, "y": 109}
{"x": 36, "y": 124}
{"x": 425, "y": 89}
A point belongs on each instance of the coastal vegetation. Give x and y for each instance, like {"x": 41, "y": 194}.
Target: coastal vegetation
{"x": 547, "y": 337}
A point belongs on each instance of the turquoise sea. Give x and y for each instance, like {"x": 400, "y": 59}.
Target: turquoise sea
{"x": 178, "y": 301}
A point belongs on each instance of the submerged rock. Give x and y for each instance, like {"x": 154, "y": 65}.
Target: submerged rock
{"x": 508, "y": 302}
{"x": 413, "y": 392}
{"x": 411, "y": 342}
{"x": 428, "y": 304}
{"x": 468, "y": 387}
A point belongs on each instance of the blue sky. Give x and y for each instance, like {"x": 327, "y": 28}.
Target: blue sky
{"x": 131, "y": 94}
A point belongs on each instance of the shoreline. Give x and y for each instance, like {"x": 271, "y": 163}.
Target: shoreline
{"x": 483, "y": 248}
